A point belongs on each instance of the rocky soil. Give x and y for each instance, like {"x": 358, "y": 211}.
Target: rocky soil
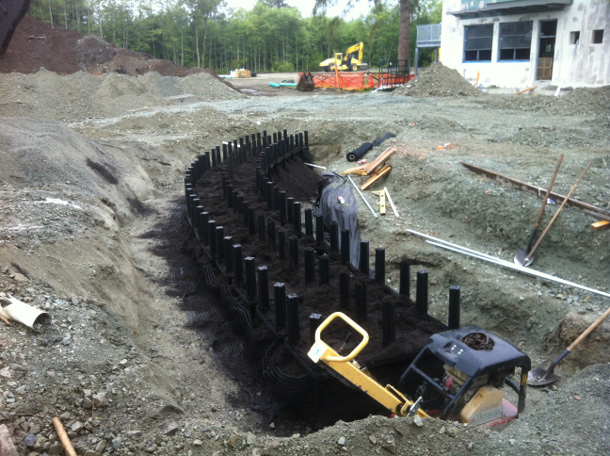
{"x": 92, "y": 174}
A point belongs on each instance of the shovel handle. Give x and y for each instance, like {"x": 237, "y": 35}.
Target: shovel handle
{"x": 589, "y": 330}
{"x": 546, "y": 230}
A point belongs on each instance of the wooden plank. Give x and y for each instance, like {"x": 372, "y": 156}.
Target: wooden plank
{"x": 585, "y": 207}
{"x": 598, "y": 226}
{"x": 385, "y": 170}
{"x": 376, "y": 164}
{"x": 529, "y": 89}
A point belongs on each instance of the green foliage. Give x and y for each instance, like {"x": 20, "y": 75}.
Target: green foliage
{"x": 270, "y": 36}
{"x": 282, "y": 67}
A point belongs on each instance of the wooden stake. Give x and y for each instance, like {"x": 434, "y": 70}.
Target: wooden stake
{"x": 598, "y": 226}
{"x": 369, "y": 183}
{"x": 63, "y": 436}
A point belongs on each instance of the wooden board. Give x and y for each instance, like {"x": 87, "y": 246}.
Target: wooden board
{"x": 369, "y": 183}
{"x": 598, "y": 226}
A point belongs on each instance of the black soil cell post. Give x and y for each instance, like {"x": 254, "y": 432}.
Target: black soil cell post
{"x": 388, "y": 323}
{"x": 261, "y": 227}
{"x": 270, "y": 194}
{"x": 213, "y": 153}
{"x": 306, "y": 137}
{"x": 380, "y": 265}
{"x": 274, "y": 138}
{"x": 238, "y": 265}
{"x": 220, "y": 248}
{"x": 282, "y": 243}
{"x": 285, "y": 134}
{"x": 228, "y": 245}
{"x": 405, "y": 278}
{"x": 263, "y": 287}
{"x": 319, "y": 229}
{"x": 224, "y": 151}
{"x": 205, "y": 219}
{"x": 271, "y": 234}
{"x": 294, "y": 251}
{"x": 308, "y": 222}
{"x": 229, "y": 197}
{"x": 454, "y": 307}
{"x": 310, "y": 264}
{"x": 250, "y": 278}
{"x": 212, "y": 237}
{"x": 203, "y": 223}
{"x": 292, "y": 317}
{"x": 279, "y": 293}
{"x": 276, "y": 199}
{"x": 334, "y": 236}
{"x": 283, "y": 207}
{"x": 296, "y": 217}
{"x": 197, "y": 219}
{"x": 345, "y": 247}
{"x": 245, "y": 206}
{"x": 193, "y": 203}
{"x": 315, "y": 320}
{"x": 361, "y": 302}
{"x": 421, "y": 298}
{"x": 290, "y": 209}
{"x": 206, "y": 161}
{"x": 364, "y": 257}
{"x": 240, "y": 203}
{"x": 235, "y": 201}
{"x": 324, "y": 269}
{"x": 217, "y": 154}
{"x": 344, "y": 284}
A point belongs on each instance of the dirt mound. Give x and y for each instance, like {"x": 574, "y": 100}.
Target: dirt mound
{"x": 37, "y": 44}
{"x": 439, "y": 81}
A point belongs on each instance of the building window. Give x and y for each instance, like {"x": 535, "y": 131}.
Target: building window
{"x": 515, "y": 40}
{"x": 598, "y": 36}
{"x": 477, "y": 42}
{"x": 574, "y": 37}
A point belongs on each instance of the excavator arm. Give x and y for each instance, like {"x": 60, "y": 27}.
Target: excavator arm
{"x": 11, "y": 13}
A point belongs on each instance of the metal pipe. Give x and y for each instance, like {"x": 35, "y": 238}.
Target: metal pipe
{"x": 363, "y": 198}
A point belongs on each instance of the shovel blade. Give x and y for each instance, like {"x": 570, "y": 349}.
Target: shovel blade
{"x": 541, "y": 377}
{"x": 521, "y": 258}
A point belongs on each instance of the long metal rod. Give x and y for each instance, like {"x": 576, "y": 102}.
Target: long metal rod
{"x": 363, "y": 198}
{"x": 500, "y": 262}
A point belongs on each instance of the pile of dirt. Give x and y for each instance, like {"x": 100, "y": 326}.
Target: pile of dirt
{"x": 438, "y": 81}
{"x": 36, "y": 44}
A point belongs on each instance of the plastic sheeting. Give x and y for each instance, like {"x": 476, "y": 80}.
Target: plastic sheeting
{"x": 336, "y": 202}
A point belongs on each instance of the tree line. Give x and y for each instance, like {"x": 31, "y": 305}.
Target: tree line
{"x": 269, "y": 37}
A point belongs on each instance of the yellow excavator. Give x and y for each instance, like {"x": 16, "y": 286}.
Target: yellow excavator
{"x": 457, "y": 376}
{"x": 351, "y": 60}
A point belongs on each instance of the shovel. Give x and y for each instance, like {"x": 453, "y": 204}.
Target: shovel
{"x": 522, "y": 254}
{"x": 530, "y": 256}
{"x": 541, "y": 377}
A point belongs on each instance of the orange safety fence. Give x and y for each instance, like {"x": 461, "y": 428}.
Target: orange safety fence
{"x": 359, "y": 80}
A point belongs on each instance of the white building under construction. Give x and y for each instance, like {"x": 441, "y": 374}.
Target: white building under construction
{"x": 524, "y": 43}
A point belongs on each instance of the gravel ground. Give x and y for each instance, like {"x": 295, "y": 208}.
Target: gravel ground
{"x": 93, "y": 165}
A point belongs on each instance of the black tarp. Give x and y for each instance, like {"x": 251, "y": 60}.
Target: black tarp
{"x": 336, "y": 202}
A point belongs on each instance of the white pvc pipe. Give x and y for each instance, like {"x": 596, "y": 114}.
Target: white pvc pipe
{"x": 22, "y": 312}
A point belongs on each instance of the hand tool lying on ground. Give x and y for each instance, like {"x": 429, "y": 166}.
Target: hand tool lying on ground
{"x": 523, "y": 253}
{"x": 530, "y": 256}
{"x": 541, "y": 377}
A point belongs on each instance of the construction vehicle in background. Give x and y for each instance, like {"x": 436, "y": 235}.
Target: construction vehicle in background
{"x": 351, "y": 60}
{"x": 456, "y": 376}
{"x": 11, "y": 13}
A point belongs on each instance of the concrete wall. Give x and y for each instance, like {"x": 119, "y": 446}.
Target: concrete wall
{"x": 582, "y": 65}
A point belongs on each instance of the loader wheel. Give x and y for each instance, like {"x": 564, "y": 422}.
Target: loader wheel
{"x": 354, "y": 67}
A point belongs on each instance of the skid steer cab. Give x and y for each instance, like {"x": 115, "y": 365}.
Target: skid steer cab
{"x": 456, "y": 376}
